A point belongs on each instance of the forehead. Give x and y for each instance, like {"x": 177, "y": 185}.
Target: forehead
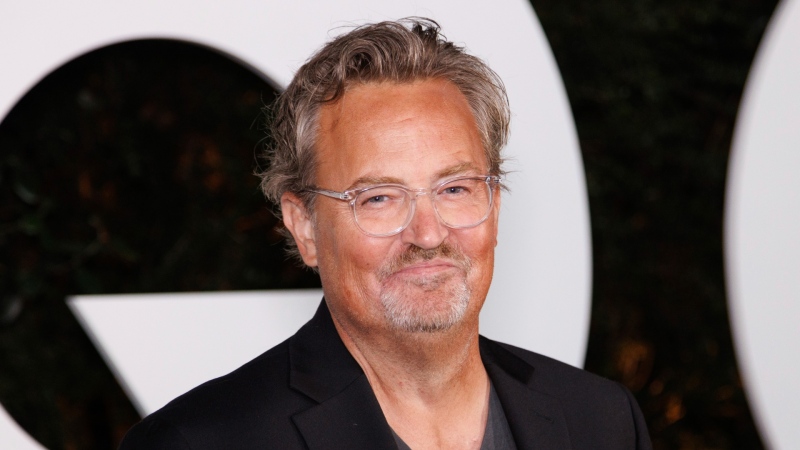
{"x": 406, "y": 132}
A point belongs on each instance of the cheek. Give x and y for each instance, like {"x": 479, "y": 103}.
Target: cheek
{"x": 331, "y": 230}
{"x": 480, "y": 247}
{"x": 349, "y": 260}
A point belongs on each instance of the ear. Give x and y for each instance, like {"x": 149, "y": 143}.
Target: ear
{"x": 298, "y": 222}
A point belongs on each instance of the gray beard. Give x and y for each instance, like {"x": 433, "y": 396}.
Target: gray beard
{"x": 405, "y": 314}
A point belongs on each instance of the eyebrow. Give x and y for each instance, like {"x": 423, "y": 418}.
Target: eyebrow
{"x": 457, "y": 169}
{"x": 368, "y": 181}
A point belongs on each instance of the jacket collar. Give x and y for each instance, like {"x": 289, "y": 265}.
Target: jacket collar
{"x": 535, "y": 418}
{"x": 348, "y": 414}
{"x": 321, "y": 366}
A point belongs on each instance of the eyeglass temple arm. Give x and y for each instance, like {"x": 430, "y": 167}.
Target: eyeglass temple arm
{"x": 332, "y": 194}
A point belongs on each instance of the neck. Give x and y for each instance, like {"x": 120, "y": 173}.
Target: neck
{"x": 429, "y": 384}
{"x": 422, "y": 358}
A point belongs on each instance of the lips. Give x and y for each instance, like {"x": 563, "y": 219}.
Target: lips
{"x": 419, "y": 262}
{"x": 433, "y": 267}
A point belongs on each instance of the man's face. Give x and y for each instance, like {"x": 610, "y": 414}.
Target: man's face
{"x": 428, "y": 277}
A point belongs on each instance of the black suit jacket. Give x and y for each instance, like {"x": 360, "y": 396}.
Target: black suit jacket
{"x": 309, "y": 393}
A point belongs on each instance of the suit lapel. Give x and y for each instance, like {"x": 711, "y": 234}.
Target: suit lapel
{"x": 535, "y": 418}
{"x": 348, "y": 414}
{"x": 351, "y": 419}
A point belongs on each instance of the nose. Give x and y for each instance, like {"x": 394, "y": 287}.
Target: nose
{"x": 425, "y": 230}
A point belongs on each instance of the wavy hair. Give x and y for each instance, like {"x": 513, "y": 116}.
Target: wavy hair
{"x": 402, "y": 51}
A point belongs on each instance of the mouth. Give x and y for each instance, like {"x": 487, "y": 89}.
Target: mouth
{"x": 425, "y": 268}
{"x": 418, "y": 265}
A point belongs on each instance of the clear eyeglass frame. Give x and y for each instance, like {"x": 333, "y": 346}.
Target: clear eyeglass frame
{"x": 352, "y": 195}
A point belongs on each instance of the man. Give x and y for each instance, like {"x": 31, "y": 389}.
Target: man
{"x": 387, "y": 169}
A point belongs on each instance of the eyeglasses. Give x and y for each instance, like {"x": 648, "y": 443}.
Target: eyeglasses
{"x": 387, "y": 209}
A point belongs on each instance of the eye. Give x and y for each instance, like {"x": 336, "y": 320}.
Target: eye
{"x": 453, "y": 190}
{"x": 458, "y": 188}
{"x": 375, "y": 199}
{"x": 380, "y": 197}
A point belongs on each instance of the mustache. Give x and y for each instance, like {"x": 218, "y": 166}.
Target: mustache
{"x": 414, "y": 254}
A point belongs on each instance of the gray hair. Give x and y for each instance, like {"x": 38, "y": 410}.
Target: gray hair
{"x": 404, "y": 51}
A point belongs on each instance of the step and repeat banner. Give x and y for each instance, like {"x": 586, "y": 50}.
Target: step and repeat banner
{"x": 151, "y": 238}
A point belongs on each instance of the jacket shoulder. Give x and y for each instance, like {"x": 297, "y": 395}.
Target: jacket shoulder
{"x": 554, "y": 377}
{"x": 599, "y": 413}
{"x": 247, "y": 408}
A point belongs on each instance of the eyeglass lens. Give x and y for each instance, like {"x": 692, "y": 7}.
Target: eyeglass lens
{"x": 384, "y": 210}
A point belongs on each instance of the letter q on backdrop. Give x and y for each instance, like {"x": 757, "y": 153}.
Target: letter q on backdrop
{"x": 540, "y": 298}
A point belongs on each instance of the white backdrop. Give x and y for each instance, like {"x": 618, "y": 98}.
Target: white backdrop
{"x": 540, "y": 297}
{"x": 762, "y": 232}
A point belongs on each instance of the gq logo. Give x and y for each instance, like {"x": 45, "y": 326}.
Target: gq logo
{"x": 161, "y": 345}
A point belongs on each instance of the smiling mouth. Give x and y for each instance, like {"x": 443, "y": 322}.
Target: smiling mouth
{"x": 427, "y": 275}
{"x": 426, "y": 268}
{"x": 416, "y": 262}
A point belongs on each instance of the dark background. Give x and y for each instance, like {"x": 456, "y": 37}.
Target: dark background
{"x": 126, "y": 170}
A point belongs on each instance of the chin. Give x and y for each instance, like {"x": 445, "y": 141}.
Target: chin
{"x": 426, "y": 306}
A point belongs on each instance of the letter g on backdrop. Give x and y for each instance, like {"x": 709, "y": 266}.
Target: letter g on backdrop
{"x": 544, "y": 249}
